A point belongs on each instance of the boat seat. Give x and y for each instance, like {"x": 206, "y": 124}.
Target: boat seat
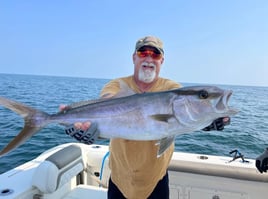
{"x": 87, "y": 191}
{"x": 58, "y": 169}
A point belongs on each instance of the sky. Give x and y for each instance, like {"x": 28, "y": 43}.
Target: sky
{"x": 205, "y": 41}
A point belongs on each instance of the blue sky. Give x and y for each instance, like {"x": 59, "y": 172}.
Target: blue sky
{"x": 205, "y": 41}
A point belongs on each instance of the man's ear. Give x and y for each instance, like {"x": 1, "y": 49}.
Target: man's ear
{"x": 133, "y": 57}
{"x": 162, "y": 61}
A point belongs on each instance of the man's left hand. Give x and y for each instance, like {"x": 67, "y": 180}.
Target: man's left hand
{"x": 218, "y": 124}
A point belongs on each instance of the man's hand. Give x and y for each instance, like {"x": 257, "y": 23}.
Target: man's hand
{"x": 86, "y": 132}
{"x": 262, "y": 161}
{"x": 218, "y": 124}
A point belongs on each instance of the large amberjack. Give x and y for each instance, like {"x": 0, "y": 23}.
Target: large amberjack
{"x": 148, "y": 116}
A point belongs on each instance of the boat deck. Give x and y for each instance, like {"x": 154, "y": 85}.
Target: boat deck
{"x": 72, "y": 171}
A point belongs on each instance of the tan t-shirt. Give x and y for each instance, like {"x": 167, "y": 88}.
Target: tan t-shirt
{"x": 135, "y": 168}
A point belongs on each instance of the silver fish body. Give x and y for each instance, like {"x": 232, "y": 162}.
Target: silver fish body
{"x": 147, "y": 116}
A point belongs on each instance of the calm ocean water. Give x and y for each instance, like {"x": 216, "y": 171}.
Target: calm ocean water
{"x": 248, "y": 131}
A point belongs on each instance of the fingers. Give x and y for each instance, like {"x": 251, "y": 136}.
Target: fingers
{"x": 226, "y": 120}
{"x": 83, "y": 126}
{"x": 63, "y": 107}
{"x": 86, "y": 132}
{"x": 221, "y": 122}
{"x": 78, "y": 125}
{"x": 219, "y": 125}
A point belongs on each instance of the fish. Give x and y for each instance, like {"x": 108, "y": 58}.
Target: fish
{"x": 158, "y": 116}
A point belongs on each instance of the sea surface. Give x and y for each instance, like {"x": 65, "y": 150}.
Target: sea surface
{"x": 247, "y": 133}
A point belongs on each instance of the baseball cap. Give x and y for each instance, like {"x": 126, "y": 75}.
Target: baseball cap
{"x": 150, "y": 41}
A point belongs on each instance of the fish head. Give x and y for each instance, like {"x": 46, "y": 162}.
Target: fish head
{"x": 199, "y": 106}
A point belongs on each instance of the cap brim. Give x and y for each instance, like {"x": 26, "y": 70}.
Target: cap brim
{"x": 152, "y": 46}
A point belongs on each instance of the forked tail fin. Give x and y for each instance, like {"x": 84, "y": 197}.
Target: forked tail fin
{"x": 34, "y": 120}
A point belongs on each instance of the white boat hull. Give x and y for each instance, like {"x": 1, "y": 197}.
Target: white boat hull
{"x": 73, "y": 170}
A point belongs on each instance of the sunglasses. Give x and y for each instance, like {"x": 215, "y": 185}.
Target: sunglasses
{"x": 151, "y": 53}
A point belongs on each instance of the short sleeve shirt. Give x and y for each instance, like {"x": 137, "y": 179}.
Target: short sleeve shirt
{"x": 135, "y": 168}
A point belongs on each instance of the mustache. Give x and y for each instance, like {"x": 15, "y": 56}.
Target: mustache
{"x": 147, "y": 64}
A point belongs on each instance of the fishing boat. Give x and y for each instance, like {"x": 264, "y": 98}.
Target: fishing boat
{"x": 78, "y": 171}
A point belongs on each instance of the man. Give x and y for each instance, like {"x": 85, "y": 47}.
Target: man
{"x": 136, "y": 171}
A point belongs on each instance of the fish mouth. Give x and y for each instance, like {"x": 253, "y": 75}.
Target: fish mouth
{"x": 222, "y": 104}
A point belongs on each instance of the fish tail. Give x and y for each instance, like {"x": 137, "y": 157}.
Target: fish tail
{"x": 34, "y": 120}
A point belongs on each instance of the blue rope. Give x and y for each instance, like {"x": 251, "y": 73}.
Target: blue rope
{"x": 102, "y": 164}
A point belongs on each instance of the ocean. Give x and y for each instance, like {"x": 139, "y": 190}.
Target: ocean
{"x": 248, "y": 131}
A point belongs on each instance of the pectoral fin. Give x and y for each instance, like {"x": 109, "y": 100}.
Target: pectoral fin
{"x": 164, "y": 144}
{"x": 162, "y": 117}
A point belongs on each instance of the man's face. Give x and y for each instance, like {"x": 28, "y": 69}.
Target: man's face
{"x": 147, "y": 61}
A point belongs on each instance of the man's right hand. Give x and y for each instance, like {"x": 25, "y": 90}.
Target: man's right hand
{"x": 262, "y": 161}
{"x": 88, "y": 136}
{"x": 85, "y": 132}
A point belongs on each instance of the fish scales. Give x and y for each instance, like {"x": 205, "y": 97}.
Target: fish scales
{"x": 147, "y": 116}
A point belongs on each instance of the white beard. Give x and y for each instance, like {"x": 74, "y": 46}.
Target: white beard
{"x": 147, "y": 75}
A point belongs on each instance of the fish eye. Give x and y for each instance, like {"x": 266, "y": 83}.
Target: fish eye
{"x": 203, "y": 94}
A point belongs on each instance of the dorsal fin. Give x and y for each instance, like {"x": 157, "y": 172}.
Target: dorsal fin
{"x": 82, "y": 103}
{"x": 125, "y": 90}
